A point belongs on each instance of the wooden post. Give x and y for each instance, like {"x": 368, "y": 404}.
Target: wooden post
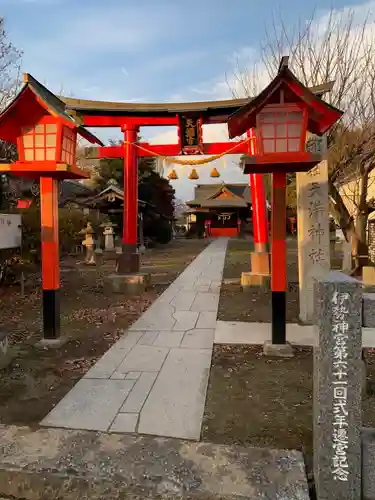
{"x": 278, "y": 257}
{"x": 50, "y": 257}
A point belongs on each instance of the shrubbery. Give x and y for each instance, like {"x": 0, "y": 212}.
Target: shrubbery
{"x": 71, "y": 222}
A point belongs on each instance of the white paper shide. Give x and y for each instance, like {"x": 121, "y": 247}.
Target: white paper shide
{"x": 340, "y": 327}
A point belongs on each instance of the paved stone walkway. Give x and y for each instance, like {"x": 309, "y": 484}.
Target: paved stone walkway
{"x": 154, "y": 379}
{"x": 240, "y": 332}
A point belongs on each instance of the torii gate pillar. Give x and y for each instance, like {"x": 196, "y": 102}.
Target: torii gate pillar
{"x": 128, "y": 261}
{"x": 128, "y": 278}
{"x": 259, "y": 258}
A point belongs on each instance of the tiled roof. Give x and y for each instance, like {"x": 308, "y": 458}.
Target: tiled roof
{"x": 205, "y": 195}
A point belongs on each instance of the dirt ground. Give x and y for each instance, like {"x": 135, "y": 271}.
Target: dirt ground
{"x": 259, "y": 401}
{"x": 255, "y": 304}
{"x": 38, "y": 378}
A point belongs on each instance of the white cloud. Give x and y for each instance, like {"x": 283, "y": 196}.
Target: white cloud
{"x": 101, "y": 29}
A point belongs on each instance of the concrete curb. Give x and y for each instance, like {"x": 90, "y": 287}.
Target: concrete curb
{"x": 55, "y": 463}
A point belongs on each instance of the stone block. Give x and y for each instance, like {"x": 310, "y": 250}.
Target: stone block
{"x": 337, "y": 387}
{"x": 168, "y": 339}
{"x": 368, "y": 275}
{"x": 313, "y": 251}
{"x": 118, "y": 376}
{"x": 107, "y": 364}
{"x": 185, "y": 320}
{"x": 198, "y": 339}
{"x": 139, "y": 393}
{"x": 183, "y": 300}
{"x": 260, "y": 263}
{"x": 91, "y": 404}
{"x": 148, "y": 338}
{"x": 58, "y": 463}
{"x": 277, "y": 350}
{"x": 250, "y": 279}
{"x": 175, "y": 405}
{"x": 368, "y": 310}
{"x": 143, "y": 358}
{"x": 124, "y": 422}
{"x": 206, "y": 302}
{"x": 133, "y": 375}
{"x": 51, "y": 343}
{"x": 127, "y": 283}
{"x": 160, "y": 316}
{"x": 206, "y": 320}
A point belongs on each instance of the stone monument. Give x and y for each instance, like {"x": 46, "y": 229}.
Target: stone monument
{"x": 109, "y": 236}
{"x": 313, "y": 231}
{"x": 337, "y": 387}
{"x": 88, "y": 242}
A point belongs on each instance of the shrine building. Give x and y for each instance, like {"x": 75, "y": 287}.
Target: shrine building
{"x": 220, "y": 209}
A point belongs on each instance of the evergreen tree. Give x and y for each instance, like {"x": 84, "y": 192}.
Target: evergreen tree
{"x": 153, "y": 189}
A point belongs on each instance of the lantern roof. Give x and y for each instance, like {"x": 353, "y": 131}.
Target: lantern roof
{"x": 29, "y": 105}
{"x": 321, "y": 115}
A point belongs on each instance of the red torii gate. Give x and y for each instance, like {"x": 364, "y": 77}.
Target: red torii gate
{"x": 45, "y": 129}
{"x": 189, "y": 118}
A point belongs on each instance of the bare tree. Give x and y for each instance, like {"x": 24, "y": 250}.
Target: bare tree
{"x": 337, "y": 47}
{"x": 10, "y": 65}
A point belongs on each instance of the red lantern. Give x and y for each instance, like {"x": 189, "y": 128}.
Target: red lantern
{"x": 281, "y": 128}
{"x": 48, "y": 140}
{"x": 45, "y": 134}
{"x": 282, "y": 114}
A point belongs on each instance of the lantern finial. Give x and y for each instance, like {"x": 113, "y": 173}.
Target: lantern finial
{"x": 172, "y": 175}
{"x": 214, "y": 173}
{"x": 193, "y": 174}
{"x": 284, "y": 63}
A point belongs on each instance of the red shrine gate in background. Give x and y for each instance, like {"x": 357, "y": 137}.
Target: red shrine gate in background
{"x": 189, "y": 118}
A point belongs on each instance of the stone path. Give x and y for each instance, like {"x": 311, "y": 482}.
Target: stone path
{"x": 154, "y": 379}
{"x": 240, "y": 332}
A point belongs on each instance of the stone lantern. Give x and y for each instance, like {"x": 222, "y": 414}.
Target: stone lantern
{"x": 109, "y": 235}
{"x": 89, "y": 243}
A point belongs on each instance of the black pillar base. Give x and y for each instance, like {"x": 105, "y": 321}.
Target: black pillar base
{"x": 128, "y": 260}
{"x": 51, "y": 314}
{"x": 278, "y": 317}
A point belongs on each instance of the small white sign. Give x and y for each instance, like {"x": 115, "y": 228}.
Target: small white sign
{"x": 10, "y": 231}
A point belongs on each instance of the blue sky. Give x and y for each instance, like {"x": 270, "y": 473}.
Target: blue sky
{"x": 148, "y": 51}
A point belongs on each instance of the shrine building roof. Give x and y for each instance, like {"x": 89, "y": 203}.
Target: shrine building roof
{"x": 221, "y": 195}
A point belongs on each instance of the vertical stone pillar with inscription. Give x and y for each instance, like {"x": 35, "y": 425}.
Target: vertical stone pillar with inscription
{"x": 337, "y": 387}
{"x": 313, "y": 230}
